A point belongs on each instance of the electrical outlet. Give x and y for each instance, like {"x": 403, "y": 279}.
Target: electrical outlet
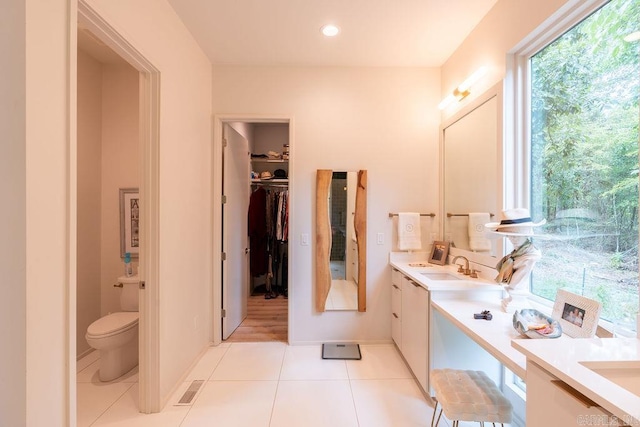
{"x": 380, "y": 239}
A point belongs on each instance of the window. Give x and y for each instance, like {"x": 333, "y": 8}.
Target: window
{"x": 584, "y": 160}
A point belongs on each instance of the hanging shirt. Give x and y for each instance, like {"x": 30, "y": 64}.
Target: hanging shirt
{"x": 257, "y": 230}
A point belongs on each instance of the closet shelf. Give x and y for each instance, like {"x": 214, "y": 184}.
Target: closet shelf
{"x": 270, "y": 181}
{"x": 261, "y": 160}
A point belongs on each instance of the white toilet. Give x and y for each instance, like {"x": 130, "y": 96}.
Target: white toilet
{"x": 116, "y": 334}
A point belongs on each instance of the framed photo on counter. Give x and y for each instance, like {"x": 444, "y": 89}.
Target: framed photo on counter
{"x": 577, "y": 315}
{"x": 439, "y": 252}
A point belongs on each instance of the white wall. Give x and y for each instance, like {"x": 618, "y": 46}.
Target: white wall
{"x": 89, "y": 204}
{"x": 120, "y": 169}
{"x": 384, "y": 120}
{"x": 270, "y": 137}
{"x": 13, "y": 322}
{"x": 50, "y": 269}
{"x": 506, "y": 25}
{"x": 185, "y": 241}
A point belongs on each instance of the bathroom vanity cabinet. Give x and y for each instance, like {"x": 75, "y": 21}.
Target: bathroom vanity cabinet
{"x": 558, "y": 404}
{"x": 410, "y": 310}
{"x": 415, "y": 329}
{"x": 396, "y": 306}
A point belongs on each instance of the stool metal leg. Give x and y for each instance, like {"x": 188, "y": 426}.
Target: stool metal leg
{"x": 433, "y": 417}
{"x": 439, "y": 415}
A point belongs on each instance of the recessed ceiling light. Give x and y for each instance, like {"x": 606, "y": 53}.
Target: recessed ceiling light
{"x": 330, "y": 30}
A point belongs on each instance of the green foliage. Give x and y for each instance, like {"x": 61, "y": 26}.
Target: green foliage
{"x": 584, "y": 155}
{"x": 584, "y": 121}
{"x": 616, "y": 260}
{"x": 547, "y": 288}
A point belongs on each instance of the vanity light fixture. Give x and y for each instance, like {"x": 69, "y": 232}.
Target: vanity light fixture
{"x": 330, "y": 30}
{"x": 462, "y": 91}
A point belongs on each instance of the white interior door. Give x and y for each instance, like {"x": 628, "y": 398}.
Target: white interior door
{"x": 235, "y": 244}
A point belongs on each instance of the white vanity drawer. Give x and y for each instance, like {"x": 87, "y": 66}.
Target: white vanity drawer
{"x": 396, "y": 331}
{"x": 396, "y": 277}
{"x": 396, "y": 314}
{"x": 553, "y": 402}
{"x": 396, "y": 300}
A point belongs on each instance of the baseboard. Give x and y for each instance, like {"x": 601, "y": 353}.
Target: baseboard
{"x": 85, "y": 353}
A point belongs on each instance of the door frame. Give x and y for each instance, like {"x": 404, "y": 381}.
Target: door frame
{"x": 216, "y": 208}
{"x": 149, "y": 122}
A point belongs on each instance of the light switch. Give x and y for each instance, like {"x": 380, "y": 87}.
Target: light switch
{"x": 304, "y": 239}
{"x": 380, "y": 239}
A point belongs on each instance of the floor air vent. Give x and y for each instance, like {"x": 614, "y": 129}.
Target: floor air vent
{"x": 190, "y": 394}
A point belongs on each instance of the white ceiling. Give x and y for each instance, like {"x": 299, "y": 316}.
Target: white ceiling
{"x": 373, "y": 32}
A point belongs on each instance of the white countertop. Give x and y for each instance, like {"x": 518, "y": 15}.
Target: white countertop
{"x": 409, "y": 269}
{"x": 493, "y": 335}
{"x": 561, "y": 358}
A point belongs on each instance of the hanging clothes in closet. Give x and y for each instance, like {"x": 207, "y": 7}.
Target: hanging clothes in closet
{"x": 268, "y": 237}
{"x": 258, "y": 238}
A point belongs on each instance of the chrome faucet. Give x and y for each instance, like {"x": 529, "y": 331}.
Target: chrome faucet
{"x": 461, "y": 269}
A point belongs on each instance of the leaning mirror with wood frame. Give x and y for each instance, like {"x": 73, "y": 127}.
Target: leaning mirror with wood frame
{"x": 341, "y": 240}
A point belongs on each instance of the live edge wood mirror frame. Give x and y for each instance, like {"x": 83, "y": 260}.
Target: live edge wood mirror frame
{"x": 324, "y": 237}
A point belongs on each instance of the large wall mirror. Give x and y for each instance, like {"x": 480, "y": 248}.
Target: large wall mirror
{"x": 472, "y": 170}
{"x": 341, "y": 228}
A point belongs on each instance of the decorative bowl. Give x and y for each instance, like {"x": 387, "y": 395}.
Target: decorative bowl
{"x": 534, "y": 324}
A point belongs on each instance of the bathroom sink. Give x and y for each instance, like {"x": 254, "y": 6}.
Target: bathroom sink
{"x": 440, "y": 276}
{"x": 625, "y": 373}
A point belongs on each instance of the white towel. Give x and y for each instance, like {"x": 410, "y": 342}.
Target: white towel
{"x": 478, "y": 242}
{"x": 409, "y": 231}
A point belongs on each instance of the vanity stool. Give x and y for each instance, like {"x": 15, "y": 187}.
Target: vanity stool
{"x": 468, "y": 396}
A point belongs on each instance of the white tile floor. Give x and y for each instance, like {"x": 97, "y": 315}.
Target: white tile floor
{"x": 343, "y": 295}
{"x": 270, "y": 385}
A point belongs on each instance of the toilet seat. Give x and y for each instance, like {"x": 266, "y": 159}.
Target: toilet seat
{"x": 113, "y": 324}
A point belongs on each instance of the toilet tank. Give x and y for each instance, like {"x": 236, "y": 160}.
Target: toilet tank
{"x": 129, "y": 294}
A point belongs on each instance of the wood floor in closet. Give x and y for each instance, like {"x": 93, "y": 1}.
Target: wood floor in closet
{"x": 266, "y": 320}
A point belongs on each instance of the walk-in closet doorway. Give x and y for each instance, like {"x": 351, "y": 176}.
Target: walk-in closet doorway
{"x": 252, "y": 182}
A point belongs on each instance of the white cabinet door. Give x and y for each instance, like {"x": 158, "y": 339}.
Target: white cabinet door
{"x": 551, "y": 402}
{"x": 396, "y": 307}
{"x": 414, "y": 329}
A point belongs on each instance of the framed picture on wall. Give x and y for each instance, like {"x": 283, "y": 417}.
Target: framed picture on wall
{"x": 439, "y": 253}
{"x": 129, "y": 222}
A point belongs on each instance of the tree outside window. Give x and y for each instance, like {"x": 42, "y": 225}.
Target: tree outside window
{"x": 585, "y": 88}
